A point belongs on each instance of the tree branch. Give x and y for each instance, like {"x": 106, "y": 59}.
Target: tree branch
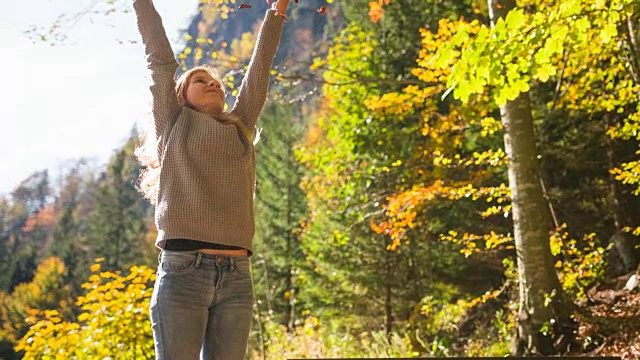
{"x": 298, "y": 77}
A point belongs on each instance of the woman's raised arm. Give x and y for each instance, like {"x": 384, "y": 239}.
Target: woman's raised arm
{"x": 162, "y": 64}
{"x": 255, "y": 85}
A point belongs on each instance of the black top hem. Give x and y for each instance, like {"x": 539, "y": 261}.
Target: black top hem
{"x": 192, "y": 245}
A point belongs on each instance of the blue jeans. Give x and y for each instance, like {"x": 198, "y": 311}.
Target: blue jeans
{"x": 201, "y": 306}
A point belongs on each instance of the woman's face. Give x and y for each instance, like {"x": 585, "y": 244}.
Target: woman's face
{"x": 205, "y": 94}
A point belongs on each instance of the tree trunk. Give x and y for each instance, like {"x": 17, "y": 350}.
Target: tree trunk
{"x": 388, "y": 297}
{"x": 543, "y": 321}
{"x": 632, "y": 36}
{"x": 291, "y": 311}
{"x": 624, "y": 244}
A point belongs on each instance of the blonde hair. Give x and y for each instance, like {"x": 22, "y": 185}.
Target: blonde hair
{"x": 147, "y": 151}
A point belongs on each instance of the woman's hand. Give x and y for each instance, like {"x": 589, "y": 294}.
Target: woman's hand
{"x": 281, "y": 6}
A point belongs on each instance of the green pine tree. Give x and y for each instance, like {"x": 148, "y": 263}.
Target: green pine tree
{"x": 280, "y": 206}
{"x": 116, "y": 227}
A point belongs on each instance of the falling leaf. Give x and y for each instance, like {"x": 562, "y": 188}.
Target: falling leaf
{"x": 322, "y": 10}
{"x": 245, "y": 6}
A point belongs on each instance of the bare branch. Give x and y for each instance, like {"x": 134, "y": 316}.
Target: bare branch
{"x": 298, "y": 77}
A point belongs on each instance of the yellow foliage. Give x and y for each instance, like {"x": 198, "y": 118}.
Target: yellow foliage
{"x": 242, "y": 48}
{"x": 578, "y": 266}
{"x": 42, "y": 295}
{"x": 469, "y": 242}
{"x": 114, "y": 322}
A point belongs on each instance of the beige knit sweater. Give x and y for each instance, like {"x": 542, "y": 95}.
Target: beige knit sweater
{"x": 207, "y": 174}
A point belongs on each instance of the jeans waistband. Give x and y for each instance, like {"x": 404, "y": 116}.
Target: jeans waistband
{"x": 220, "y": 260}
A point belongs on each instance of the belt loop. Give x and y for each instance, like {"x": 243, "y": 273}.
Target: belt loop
{"x": 160, "y": 256}
{"x": 199, "y": 259}
{"x": 233, "y": 263}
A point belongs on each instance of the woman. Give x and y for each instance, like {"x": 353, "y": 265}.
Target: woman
{"x": 201, "y": 176}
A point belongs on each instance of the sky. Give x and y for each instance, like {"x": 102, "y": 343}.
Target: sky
{"x": 81, "y": 97}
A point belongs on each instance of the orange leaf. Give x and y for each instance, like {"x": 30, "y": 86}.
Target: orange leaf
{"x": 375, "y": 11}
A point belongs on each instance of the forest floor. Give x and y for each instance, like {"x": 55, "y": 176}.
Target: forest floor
{"x": 610, "y": 321}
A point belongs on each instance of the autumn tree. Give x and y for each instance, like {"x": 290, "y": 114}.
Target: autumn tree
{"x": 542, "y": 303}
{"x": 360, "y": 156}
{"x": 25, "y": 218}
{"x": 507, "y": 70}
{"x": 46, "y": 291}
